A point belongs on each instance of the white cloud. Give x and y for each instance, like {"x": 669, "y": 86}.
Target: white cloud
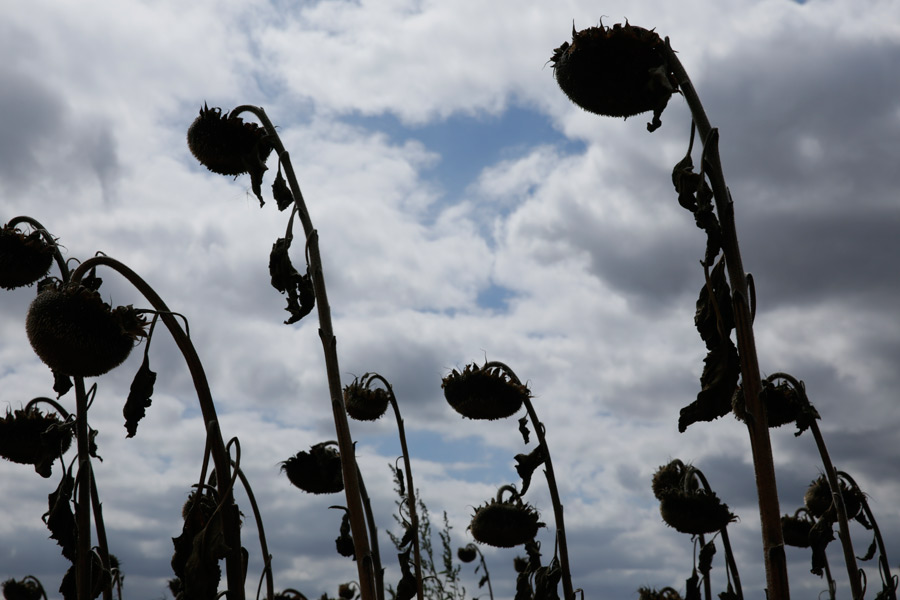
{"x": 598, "y": 259}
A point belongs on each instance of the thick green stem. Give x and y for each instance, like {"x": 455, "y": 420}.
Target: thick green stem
{"x": 221, "y": 460}
{"x": 757, "y": 424}
{"x": 364, "y": 561}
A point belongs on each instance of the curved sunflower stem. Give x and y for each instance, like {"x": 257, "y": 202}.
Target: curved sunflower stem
{"x": 221, "y": 460}
{"x": 101, "y": 534}
{"x": 568, "y": 589}
{"x": 484, "y": 569}
{"x": 831, "y": 474}
{"x": 757, "y": 425}
{"x": 373, "y": 536}
{"x": 410, "y": 487}
{"x": 362, "y": 550}
{"x": 729, "y": 554}
{"x": 263, "y": 545}
{"x": 883, "y": 564}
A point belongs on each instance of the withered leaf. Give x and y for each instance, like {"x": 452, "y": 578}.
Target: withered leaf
{"x": 407, "y": 536}
{"x": 870, "y": 553}
{"x": 526, "y": 465}
{"x": 91, "y": 281}
{"x": 344, "y": 541}
{"x": 406, "y": 588}
{"x": 62, "y": 383}
{"x": 523, "y": 429}
{"x": 721, "y": 369}
{"x": 286, "y": 279}
{"x": 704, "y": 564}
{"x": 546, "y": 581}
{"x": 60, "y": 519}
{"x": 139, "y": 397}
{"x": 692, "y": 587}
{"x": 281, "y": 192}
{"x": 714, "y": 316}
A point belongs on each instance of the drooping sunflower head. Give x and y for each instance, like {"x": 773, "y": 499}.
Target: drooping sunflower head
{"x": 24, "y": 257}
{"x": 364, "y": 403}
{"x": 505, "y": 523}
{"x": 484, "y": 393}
{"x": 225, "y": 144}
{"x": 694, "y": 512}
{"x": 75, "y": 333}
{"x": 317, "y": 471}
{"x": 795, "y": 530}
{"x": 617, "y": 71}
{"x": 31, "y": 437}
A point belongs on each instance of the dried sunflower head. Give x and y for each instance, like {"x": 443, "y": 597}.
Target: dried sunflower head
{"x": 795, "y": 530}
{"x": 467, "y": 553}
{"x": 30, "y": 437}
{"x": 484, "y": 393}
{"x": 505, "y": 523}
{"x": 617, "y": 71}
{"x": 317, "y": 471}
{"x": 28, "y": 588}
{"x": 24, "y": 258}
{"x": 364, "y": 403}
{"x": 226, "y": 144}
{"x": 75, "y": 333}
{"x": 819, "y": 502}
{"x": 694, "y": 512}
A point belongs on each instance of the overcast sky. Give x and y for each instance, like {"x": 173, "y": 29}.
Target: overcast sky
{"x": 466, "y": 210}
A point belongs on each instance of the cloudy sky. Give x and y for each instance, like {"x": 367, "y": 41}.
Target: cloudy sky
{"x": 466, "y": 210}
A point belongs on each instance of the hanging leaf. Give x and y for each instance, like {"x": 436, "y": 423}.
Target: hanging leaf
{"x": 139, "y": 397}
{"x": 286, "y": 279}
{"x": 60, "y": 519}
{"x": 546, "y": 581}
{"x": 281, "y": 192}
{"x": 406, "y": 588}
{"x": 344, "y": 541}
{"x": 526, "y": 465}
{"x": 62, "y": 383}
{"x": 870, "y": 553}
{"x": 692, "y": 587}
{"x": 523, "y": 429}
{"x": 714, "y": 315}
{"x": 706, "y": 556}
{"x": 719, "y": 380}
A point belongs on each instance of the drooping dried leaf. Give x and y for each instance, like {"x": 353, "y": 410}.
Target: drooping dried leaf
{"x": 870, "y": 553}
{"x": 523, "y": 429}
{"x": 286, "y": 279}
{"x": 720, "y": 376}
{"x": 526, "y": 465}
{"x": 692, "y": 587}
{"x": 281, "y": 192}
{"x": 714, "y": 316}
{"x": 546, "y": 581}
{"x": 62, "y": 383}
{"x": 704, "y": 562}
{"x": 406, "y": 588}
{"x": 60, "y": 519}
{"x": 344, "y": 541}
{"x": 139, "y": 397}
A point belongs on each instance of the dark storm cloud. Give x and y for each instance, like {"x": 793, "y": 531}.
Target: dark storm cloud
{"x": 41, "y": 138}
